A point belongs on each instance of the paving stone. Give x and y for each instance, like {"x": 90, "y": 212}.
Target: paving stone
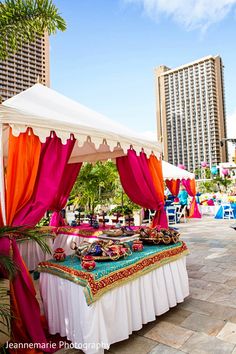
{"x": 169, "y": 334}
{"x": 231, "y": 282}
{"x": 200, "y": 294}
{"x": 195, "y": 274}
{"x": 135, "y": 344}
{"x": 203, "y": 323}
{"x": 216, "y": 277}
{"x": 176, "y": 316}
{"x": 228, "y": 333}
{"x": 200, "y": 343}
{"x": 225, "y": 313}
{"x": 164, "y": 349}
{"x": 199, "y": 306}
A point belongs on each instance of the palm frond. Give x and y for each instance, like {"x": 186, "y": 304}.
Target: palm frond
{"x": 21, "y": 21}
{"x": 5, "y": 311}
{"x": 8, "y": 266}
{"x": 27, "y": 233}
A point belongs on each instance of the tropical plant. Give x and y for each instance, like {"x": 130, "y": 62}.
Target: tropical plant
{"x": 96, "y": 184}
{"x": 21, "y": 21}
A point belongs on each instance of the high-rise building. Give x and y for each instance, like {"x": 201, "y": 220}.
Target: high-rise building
{"x": 191, "y": 112}
{"x": 23, "y": 69}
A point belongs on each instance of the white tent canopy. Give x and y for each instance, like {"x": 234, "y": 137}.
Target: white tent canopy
{"x": 45, "y": 110}
{"x": 174, "y": 172}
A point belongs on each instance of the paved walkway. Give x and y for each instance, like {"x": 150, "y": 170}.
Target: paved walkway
{"x": 206, "y": 321}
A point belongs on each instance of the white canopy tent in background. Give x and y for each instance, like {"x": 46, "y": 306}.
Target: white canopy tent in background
{"x": 173, "y": 172}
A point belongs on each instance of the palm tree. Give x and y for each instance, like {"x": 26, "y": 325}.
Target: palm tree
{"x": 22, "y": 20}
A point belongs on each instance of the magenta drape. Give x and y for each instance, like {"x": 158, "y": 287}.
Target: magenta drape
{"x": 68, "y": 179}
{"x": 190, "y": 186}
{"x": 137, "y": 181}
{"x": 173, "y": 186}
{"x": 28, "y": 311}
{"x": 53, "y": 160}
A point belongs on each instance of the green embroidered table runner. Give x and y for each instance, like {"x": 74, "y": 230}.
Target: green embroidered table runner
{"x": 109, "y": 274}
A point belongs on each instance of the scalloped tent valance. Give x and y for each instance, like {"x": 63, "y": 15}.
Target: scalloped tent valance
{"x": 173, "y": 172}
{"x": 45, "y": 110}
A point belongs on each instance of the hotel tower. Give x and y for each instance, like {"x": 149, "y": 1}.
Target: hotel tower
{"x": 24, "y": 68}
{"x": 191, "y": 112}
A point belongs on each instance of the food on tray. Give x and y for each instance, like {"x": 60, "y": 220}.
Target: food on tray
{"x": 157, "y": 235}
{"x": 103, "y": 250}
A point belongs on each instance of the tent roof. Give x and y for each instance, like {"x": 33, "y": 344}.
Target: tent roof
{"x": 45, "y": 110}
{"x": 174, "y": 172}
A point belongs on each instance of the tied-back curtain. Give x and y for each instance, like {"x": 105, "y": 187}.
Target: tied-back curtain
{"x": 137, "y": 181}
{"x": 173, "y": 186}
{"x": 67, "y": 181}
{"x": 53, "y": 160}
{"x": 23, "y": 162}
{"x": 155, "y": 168}
{"x": 22, "y": 168}
{"x": 190, "y": 186}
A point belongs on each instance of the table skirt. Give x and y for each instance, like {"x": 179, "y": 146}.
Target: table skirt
{"x": 32, "y": 254}
{"x": 118, "y": 313}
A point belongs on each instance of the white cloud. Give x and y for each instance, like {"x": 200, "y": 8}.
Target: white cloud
{"x": 192, "y": 14}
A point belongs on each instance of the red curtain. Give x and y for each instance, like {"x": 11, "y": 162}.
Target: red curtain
{"x": 68, "y": 179}
{"x": 190, "y": 186}
{"x": 173, "y": 186}
{"x": 137, "y": 181}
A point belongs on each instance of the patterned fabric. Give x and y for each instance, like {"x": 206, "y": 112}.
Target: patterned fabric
{"x": 109, "y": 274}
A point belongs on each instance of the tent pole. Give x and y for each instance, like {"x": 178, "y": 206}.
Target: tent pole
{"x": 2, "y": 184}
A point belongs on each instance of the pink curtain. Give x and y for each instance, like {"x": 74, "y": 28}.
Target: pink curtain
{"x": 53, "y": 160}
{"x": 190, "y": 186}
{"x": 137, "y": 181}
{"x": 67, "y": 181}
{"x": 173, "y": 186}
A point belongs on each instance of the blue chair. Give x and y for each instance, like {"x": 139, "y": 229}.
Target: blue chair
{"x": 228, "y": 212}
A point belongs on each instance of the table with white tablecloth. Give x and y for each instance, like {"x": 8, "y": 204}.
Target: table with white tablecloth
{"x": 118, "y": 312}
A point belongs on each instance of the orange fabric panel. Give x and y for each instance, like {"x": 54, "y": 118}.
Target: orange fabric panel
{"x": 22, "y": 167}
{"x": 155, "y": 167}
{"x": 193, "y": 186}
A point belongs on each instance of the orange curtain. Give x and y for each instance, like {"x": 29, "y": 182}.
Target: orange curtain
{"x": 22, "y": 167}
{"x": 155, "y": 167}
{"x": 173, "y": 186}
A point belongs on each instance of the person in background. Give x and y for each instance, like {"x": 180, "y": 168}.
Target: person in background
{"x": 183, "y": 199}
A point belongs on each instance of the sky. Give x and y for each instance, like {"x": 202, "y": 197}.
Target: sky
{"x": 106, "y": 57}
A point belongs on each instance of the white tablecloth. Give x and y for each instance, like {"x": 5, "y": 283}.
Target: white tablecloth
{"x": 209, "y": 209}
{"x": 32, "y": 253}
{"x": 118, "y": 312}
